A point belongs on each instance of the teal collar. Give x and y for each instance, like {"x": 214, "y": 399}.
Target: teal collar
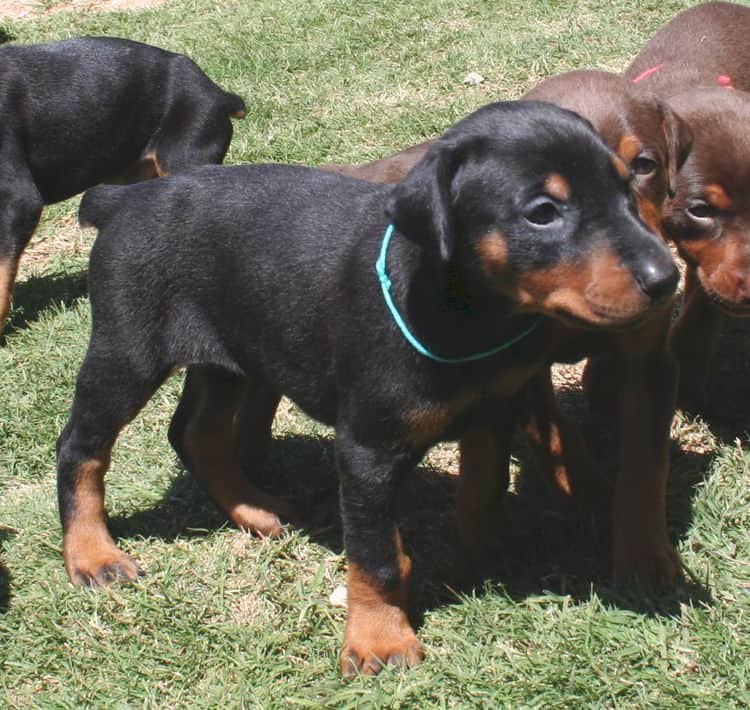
{"x": 385, "y": 285}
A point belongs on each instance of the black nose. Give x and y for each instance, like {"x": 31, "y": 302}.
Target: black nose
{"x": 658, "y": 278}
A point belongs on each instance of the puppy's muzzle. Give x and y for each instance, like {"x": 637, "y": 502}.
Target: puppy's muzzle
{"x": 654, "y": 270}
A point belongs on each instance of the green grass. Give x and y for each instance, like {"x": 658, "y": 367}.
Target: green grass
{"x": 224, "y": 620}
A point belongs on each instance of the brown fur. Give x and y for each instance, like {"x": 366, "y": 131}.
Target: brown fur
{"x": 91, "y": 555}
{"x": 378, "y": 632}
{"x": 701, "y": 54}
{"x": 599, "y": 291}
{"x": 210, "y": 442}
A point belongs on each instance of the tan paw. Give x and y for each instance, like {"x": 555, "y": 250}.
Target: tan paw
{"x": 261, "y": 522}
{"x": 100, "y": 568}
{"x": 369, "y": 654}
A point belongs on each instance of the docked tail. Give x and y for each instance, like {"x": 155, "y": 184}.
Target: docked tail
{"x": 98, "y": 203}
{"x": 235, "y": 105}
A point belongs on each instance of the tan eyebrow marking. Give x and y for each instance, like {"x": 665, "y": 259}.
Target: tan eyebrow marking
{"x": 717, "y": 196}
{"x": 557, "y": 186}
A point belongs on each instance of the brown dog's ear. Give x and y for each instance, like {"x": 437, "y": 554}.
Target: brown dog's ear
{"x": 679, "y": 142}
{"x": 420, "y": 205}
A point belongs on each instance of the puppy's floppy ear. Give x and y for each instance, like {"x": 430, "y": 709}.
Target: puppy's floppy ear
{"x": 679, "y": 142}
{"x": 420, "y": 205}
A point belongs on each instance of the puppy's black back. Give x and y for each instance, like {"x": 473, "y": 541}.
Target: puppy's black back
{"x": 256, "y": 285}
{"x": 80, "y": 110}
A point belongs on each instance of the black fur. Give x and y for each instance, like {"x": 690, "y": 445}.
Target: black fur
{"x": 77, "y": 112}
{"x": 267, "y": 272}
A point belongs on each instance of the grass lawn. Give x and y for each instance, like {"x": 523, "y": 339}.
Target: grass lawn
{"x": 225, "y": 620}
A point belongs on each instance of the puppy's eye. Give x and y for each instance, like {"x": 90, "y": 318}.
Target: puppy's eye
{"x": 542, "y": 212}
{"x": 644, "y": 166}
{"x": 702, "y": 211}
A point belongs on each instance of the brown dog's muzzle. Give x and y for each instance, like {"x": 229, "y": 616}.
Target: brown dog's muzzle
{"x": 723, "y": 268}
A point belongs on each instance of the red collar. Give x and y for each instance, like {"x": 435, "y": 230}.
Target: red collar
{"x": 721, "y": 80}
{"x": 648, "y": 73}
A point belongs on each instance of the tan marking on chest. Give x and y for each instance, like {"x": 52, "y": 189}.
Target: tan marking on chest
{"x": 492, "y": 249}
{"x": 426, "y": 425}
{"x": 511, "y": 380}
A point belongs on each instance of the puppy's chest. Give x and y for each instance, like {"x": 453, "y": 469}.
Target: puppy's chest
{"x": 432, "y": 421}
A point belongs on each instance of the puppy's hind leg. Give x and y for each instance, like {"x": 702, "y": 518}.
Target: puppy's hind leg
{"x": 109, "y": 393}
{"x": 206, "y": 434}
{"x": 20, "y": 209}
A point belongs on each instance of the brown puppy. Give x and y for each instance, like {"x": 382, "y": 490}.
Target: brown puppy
{"x": 700, "y": 63}
{"x": 653, "y": 142}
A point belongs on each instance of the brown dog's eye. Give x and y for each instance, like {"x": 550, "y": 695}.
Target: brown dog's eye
{"x": 702, "y": 211}
{"x": 542, "y": 212}
{"x": 643, "y": 165}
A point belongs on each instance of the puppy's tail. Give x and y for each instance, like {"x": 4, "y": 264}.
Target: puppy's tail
{"x": 235, "y": 105}
{"x": 97, "y": 204}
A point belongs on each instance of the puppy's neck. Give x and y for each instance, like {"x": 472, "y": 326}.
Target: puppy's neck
{"x": 442, "y": 309}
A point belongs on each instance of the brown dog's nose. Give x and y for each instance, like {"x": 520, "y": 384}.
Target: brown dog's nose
{"x": 658, "y": 278}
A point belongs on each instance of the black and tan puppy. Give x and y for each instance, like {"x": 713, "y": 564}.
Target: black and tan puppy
{"x": 82, "y": 111}
{"x": 699, "y": 62}
{"x": 653, "y": 142}
{"x": 262, "y": 280}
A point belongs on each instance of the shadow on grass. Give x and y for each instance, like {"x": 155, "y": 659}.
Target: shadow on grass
{"x": 569, "y": 555}
{"x": 5, "y": 576}
{"x": 39, "y": 293}
{"x": 187, "y": 511}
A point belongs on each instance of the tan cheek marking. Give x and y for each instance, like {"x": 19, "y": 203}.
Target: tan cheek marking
{"x": 629, "y": 147}
{"x": 650, "y": 214}
{"x": 723, "y": 265}
{"x": 557, "y": 186}
{"x": 426, "y": 425}
{"x": 597, "y": 290}
{"x": 717, "y": 196}
{"x": 493, "y": 253}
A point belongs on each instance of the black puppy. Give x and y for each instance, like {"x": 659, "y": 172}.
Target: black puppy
{"x": 262, "y": 280}
{"x": 81, "y": 111}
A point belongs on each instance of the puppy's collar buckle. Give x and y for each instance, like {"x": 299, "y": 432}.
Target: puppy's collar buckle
{"x": 381, "y": 268}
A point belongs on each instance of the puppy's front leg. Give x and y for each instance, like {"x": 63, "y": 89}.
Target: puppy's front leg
{"x": 482, "y": 485}
{"x": 378, "y": 631}
{"x": 691, "y": 340}
{"x": 642, "y": 550}
{"x": 559, "y": 445}
{"x": 20, "y": 209}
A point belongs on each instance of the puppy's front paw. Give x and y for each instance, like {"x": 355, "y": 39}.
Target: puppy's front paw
{"x": 382, "y": 637}
{"x": 655, "y": 565}
{"x": 100, "y": 568}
